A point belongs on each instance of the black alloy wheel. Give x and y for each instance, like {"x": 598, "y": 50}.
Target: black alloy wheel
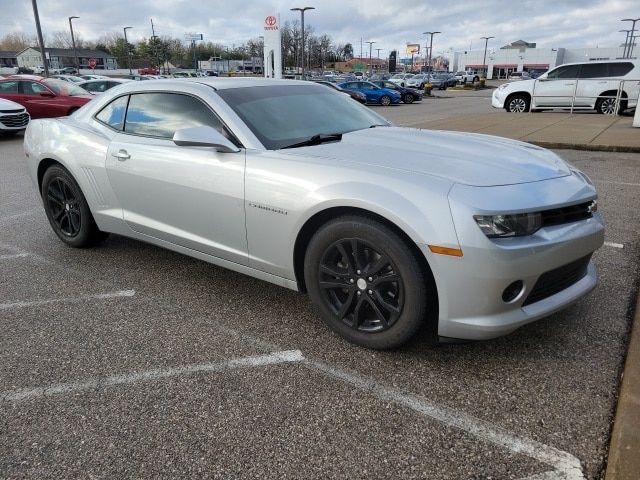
{"x": 367, "y": 282}
{"x": 67, "y": 209}
{"x": 63, "y": 206}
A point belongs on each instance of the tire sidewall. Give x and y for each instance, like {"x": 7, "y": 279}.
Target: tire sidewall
{"x": 84, "y": 235}
{"x": 414, "y": 311}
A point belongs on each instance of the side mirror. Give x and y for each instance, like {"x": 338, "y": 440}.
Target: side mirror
{"x": 204, "y": 136}
{"x": 47, "y": 94}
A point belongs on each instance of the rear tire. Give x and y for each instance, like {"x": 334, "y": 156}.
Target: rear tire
{"x": 366, "y": 282}
{"x": 67, "y": 209}
{"x": 408, "y": 98}
{"x": 607, "y": 106}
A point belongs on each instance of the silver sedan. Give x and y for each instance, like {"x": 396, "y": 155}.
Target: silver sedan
{"x": 386, "y": 228}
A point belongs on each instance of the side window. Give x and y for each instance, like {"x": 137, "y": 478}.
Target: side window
{"x": 570, "y": 71}
{"x": 113, "y": 113}
{"x": 161, "y": 114}
{"x": 619, "y": 69}
{"x": 9, "y": 87}
{"x": 33, "y": 88}
{"x": 593, "y": 70}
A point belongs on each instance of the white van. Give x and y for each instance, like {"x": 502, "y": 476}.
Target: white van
{"x": 589, "y": 86}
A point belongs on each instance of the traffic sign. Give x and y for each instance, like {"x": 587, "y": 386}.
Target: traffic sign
{"x": 92, "y": 63}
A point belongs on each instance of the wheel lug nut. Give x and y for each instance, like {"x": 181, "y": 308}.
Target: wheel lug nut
{"x": 370, "y": 279}
{"x": 358, "y": 272}
{"x": 370, "y": 292}
{"x": 359, "y": 292}
{"x": 351, "y": 280}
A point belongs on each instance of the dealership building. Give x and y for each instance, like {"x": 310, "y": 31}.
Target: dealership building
{"x": 522, "y": 56}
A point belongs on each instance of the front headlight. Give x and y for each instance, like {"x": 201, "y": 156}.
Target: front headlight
{"x": 509, "y": 225}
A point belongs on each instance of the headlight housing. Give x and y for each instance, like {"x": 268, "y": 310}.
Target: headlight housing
{"x": 509, "y": 225}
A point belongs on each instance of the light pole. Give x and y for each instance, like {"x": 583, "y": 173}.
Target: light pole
{"x": 302, "y": 10}
{"x": 631, "y": 36}
{"x": 378, "y": 57}
{"x": 370, "y": 66}
{"x": 73, "y": 42}
{"x": 484, "y": 59}
{"x": 626, "y": 41}
{"x": 126, "y": 46}
{"x": 431, "y": 34}
{"x": 40, "y": 39}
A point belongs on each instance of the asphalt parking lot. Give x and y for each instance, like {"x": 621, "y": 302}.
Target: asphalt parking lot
{"x": 127, "y": 360}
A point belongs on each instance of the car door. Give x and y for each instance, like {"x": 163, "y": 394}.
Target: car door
{"x": 188, "y": 196}
{"x": 372, "y": 92}
{"x": 593, "y": 81}
{"x": 40, "y": 101}
{"x": 557, "y": 88}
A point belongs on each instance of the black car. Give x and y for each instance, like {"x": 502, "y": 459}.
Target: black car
{"x": 360, "y": 97}
{"x": 408, "y": 95}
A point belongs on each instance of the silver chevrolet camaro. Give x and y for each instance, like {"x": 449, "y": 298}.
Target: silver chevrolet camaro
{"x": 386, "y": 228}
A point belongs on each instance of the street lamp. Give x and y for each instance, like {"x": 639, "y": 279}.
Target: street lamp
{"x": 626, "y": 40}
{"x": 484, "y": 59}
{"x": 378, "y": 57}
{"x": 73, "y": 42}
{"x": 126, "y": 45}
{"x": 302, "y": 10}
{"x": 370, "y": 65}
{"x": 431, "y": 34}
{"x": 631, "y": 36}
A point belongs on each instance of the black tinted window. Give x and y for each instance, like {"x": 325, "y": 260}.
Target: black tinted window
{"x": 9, "y": 87}
{"x": 619, "y": 69}
{"x": 570, "y": 71}
{"x": 161, "y": 114}
{"x": 593, "y": 70}
{"x": 113, "y": 113}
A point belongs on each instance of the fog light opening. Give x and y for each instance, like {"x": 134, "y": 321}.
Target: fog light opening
{"x": 513, "y": 291}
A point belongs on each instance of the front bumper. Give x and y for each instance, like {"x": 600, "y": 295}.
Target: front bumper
{"x": 470, "y": 287}
{"x": 497, "y": 98}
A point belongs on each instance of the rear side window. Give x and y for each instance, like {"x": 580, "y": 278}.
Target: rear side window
{"x": 620, "y": 69}
{"x": 161, "y": 114}
{"x": 594, "y": 70}
{"x": 113, "y": 114}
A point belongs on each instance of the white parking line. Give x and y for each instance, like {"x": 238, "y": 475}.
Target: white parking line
{"x": 13, "y": 255}
{"x": 151, "y": 375}
{"x": 614, "y": 245}
{"x": 618, "y": 183}
{"x": 80, "y": 298}
{"x": 566, "y": 466}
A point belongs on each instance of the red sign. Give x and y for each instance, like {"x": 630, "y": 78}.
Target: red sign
{"x": 92, "y": 63}
{"x": 270, "y": 23}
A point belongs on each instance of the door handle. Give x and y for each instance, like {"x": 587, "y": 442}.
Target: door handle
{"x": 122, "y": 155}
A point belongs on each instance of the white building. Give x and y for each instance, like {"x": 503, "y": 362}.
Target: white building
{"x": 518, "y": 57}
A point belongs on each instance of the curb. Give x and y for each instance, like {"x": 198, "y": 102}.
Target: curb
{"x": 624, "y": 450}
{"x": 587, "y": 147}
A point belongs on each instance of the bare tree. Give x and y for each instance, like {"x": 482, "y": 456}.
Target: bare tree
{"x": 16, "y": 41}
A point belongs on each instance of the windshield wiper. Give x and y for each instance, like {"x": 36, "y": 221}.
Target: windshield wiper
{"x": 317, "y": 140}
{"x": 379, "y": 125}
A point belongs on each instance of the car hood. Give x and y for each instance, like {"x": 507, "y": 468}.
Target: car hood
{"x": 466, "y": 158}
{"x": 9, "y": 105}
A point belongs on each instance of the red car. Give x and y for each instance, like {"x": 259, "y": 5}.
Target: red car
{"x": 148, "y": 71}
{"x": 44, "y": 97}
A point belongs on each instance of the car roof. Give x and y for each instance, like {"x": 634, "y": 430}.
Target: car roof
{"x": 218, "y": 83}
{"x": 24, "y": 76}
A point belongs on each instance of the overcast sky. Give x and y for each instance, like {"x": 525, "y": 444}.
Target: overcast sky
{"x": 391, "y": 23}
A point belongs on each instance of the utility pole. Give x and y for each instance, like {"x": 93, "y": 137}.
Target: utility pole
{"x": 370, "y": 65}
{"x": 626, "y": 41}
{"x": 73, "y": 42}
{"x": 40, "y": 40}
{"x": 430, "y": 51}
{"x": 302, "y": 10}
{"x": 155, "y": 44}
{"x": 484, "y": 59}
{"x": 126, "y": 46}
{"x": 632, "y": 35}
{"x": 378, "y": 56}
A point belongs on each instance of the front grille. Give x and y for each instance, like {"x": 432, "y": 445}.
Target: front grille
{"x": 15, "y": 121}
{"x": 572, "y": 213}
{"x": 554, "y": 281}
{"x": 15, "y": 110}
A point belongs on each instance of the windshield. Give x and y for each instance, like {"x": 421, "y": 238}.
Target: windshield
{"x": 67, "y": 89}
{"x": 282, "y": 115}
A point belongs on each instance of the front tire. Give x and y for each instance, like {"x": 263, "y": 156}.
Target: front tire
{"x": 517, "y": 103}
{"x": 385, "y": 100}
{"x": 366, "y": 282}
{"x": 67, "y": 209}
